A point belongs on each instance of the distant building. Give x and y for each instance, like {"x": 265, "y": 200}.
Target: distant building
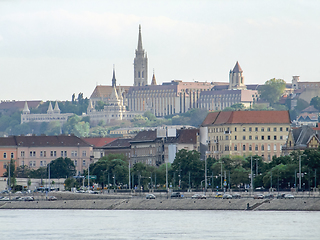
{"x": 244, "y": 133}
{"x": 97, "y": 143}
{"x": 50, "y": 116}
{"x": 9, "y": 107}
{"x": 38, "y": 151}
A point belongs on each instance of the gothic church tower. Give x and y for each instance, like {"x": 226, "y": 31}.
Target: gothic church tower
{"x": 140, "y": 64}
{"x": 236, "y": 79}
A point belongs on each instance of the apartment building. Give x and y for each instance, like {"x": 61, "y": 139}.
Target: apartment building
{"x": 244, "y": 133}
{"x": 38, "y": 151}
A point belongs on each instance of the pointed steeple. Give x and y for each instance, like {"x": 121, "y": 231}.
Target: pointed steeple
{"x": 26, "y": 108}
{"x": 153, "y": 82}
{"x": 139, "y": 39}
{"x": 56, "y": 108}
{"x": 50, "y": 110}
{"x": 237, "y": 68}
{"x": 114, "y": 96}
{"x": 114, "y": 80}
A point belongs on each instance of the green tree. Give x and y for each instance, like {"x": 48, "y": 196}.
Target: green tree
{"x": 11, "y": 168}
{"x": 185, "y": 162}
{"x": 62, "y": 168}
{"x": 315, "y": 101}
{"x": 301, "y": 104}
{"x": 272, "y": 90}
{"x": 100, "y": 105}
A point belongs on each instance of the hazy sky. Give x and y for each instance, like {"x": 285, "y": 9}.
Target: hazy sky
{"x": 52, "y": 49}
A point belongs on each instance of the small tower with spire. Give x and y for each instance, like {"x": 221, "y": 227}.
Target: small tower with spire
{"x": 114, "y": 80}
{"x": 236, "y": 79}
{"x": 140, "y": 64}
{"x": 50, "y": 109}
{"x": 56, "y": 109}
{"x": 26, "y": 108}
{"x": 153, "y": 82}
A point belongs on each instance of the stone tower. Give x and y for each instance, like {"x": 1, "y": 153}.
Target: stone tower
{"x": 140, "y": 64}
{"x": 236, "y": 79}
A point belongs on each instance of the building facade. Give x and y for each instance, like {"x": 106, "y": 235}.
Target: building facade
{"x": 244, "y": 133}
{"x": 38, "y": 151}
{"x": 140, "y": 64}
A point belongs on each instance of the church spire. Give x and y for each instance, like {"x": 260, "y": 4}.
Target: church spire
{"x": 139, "y": 40}
{"x": 114, "y": 81}
{"x": 26, "y": 108}
{"x": 50, "y": 109}
{"x": 153, "y": 82}
{"x": 56, "y": 108}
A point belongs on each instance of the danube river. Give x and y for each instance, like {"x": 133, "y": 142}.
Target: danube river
{"x": 139, "y": 224}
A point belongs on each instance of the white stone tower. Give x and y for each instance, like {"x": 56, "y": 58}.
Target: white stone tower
{"x": 140, "y": 64}
{"x": 236, "y": 79}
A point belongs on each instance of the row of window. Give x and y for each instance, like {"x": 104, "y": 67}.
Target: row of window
{"x": 5, "y": 155}
{"x": 251, "y": 137}
{"x": 244, "y": 148}
{"x": 250, "y": 129}
{"x": 44, "y": 163}
{"x": 52, "y": 154}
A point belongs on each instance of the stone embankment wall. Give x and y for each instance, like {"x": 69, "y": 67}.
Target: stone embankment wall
{"x": 128, "y": 202}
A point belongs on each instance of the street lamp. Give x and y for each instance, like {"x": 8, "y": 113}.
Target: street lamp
{"x": 300, "y": 170}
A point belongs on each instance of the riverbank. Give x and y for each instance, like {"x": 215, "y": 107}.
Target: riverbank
{"x": 131, "y": 202}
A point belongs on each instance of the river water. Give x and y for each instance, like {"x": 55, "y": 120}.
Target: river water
{"x": 136, "y": 224}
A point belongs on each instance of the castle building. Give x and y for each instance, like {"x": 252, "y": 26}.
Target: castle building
{"x": 50, "y": 116}
{"x": 236, "y": 79}
{"x": 114, "y": 110}
{"x": 140, "y": 64}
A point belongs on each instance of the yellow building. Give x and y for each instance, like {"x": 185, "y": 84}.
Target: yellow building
{"x": 244, "y": 133}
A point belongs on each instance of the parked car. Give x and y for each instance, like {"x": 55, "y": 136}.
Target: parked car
{"x": 269, "y": 196}
{"x": 28, "y": 198}
{"x": 258, "y": 196}
{"x": 236, "y": 196}
{"x": 150, "y": 196}
{"x": 288, "y": 196}
{"x": 280, "y": 196}
{"x": 4, "y": 199}
{"x": 199, "y": 196}
{"x": 52, "y": 198}
{"x": 175, "y": 195}
{"x": 219, "y": 195}
{"x": 227, "y": 196}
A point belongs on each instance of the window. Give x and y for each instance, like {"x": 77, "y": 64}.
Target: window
{"x": 274, "y": 129}
{"x": 243, "y": 137}
{"x": 83, "y": 162}
{"x": 226, "y": 147}
{"x": 235, "y": 129}
{"x": 281, "y": 129}
{"x": 30, "y": 163}
{"x": 51, "y": 154}
{"x": 274, "y": 137}
{"x": 44, "y": 153}
{"x": 65, "y": 153}
{"x": 262, "y": 147}
{"x": 4, "y": 165}
{"x": 31, "y": 156}
{"x": 269, "y": 137}
{"x": 22, "y": 153}
{"x": 250, "y": 129}
{"x": 281, "y": 137}
{"x": 243, "y": 129}
{"x": 227, "y": 137}
{"x": 250, "y": 148}
{"x": 256, "y": 147}
{"x": 235, "y": 137}
{"x": 256, "y": 137}
{"x": 12, "y": 155}
{"x": 268, "y": 129}
{"x": 4, "y": 155}
{"x": 41, "y": 154}
{"x": 256, "y": 129}
{"x": 275, "y": 147}
{"x": 40, "y": 163}
{"x": 61, "y": 153}
{"x": 262, "y": 137}
{"x": 269, "y": 148}
{"x": 84, "y": 153}
{"x": 250, "y": 137}
{"x": 75, "y": 162}
{"x": 235, "y": 147}
{"x": 32, "y": 153}
{"x": 244, "y": 147}
{"x": 287, "y": 129}
{"x": 262, "y": 129}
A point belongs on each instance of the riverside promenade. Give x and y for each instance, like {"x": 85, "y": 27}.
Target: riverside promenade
{"x": 116, "y": 201}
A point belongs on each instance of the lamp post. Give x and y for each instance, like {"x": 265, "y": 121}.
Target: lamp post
{"x": 129, "y": 177}
{"x": 299, "y": 172}
{"x": 251, "y": 177}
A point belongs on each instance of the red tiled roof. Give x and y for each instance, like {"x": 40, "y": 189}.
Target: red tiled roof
{"x": 210, "y": 118}
{"x": 99, "y": 142}
{"x": 248, "y": 117}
